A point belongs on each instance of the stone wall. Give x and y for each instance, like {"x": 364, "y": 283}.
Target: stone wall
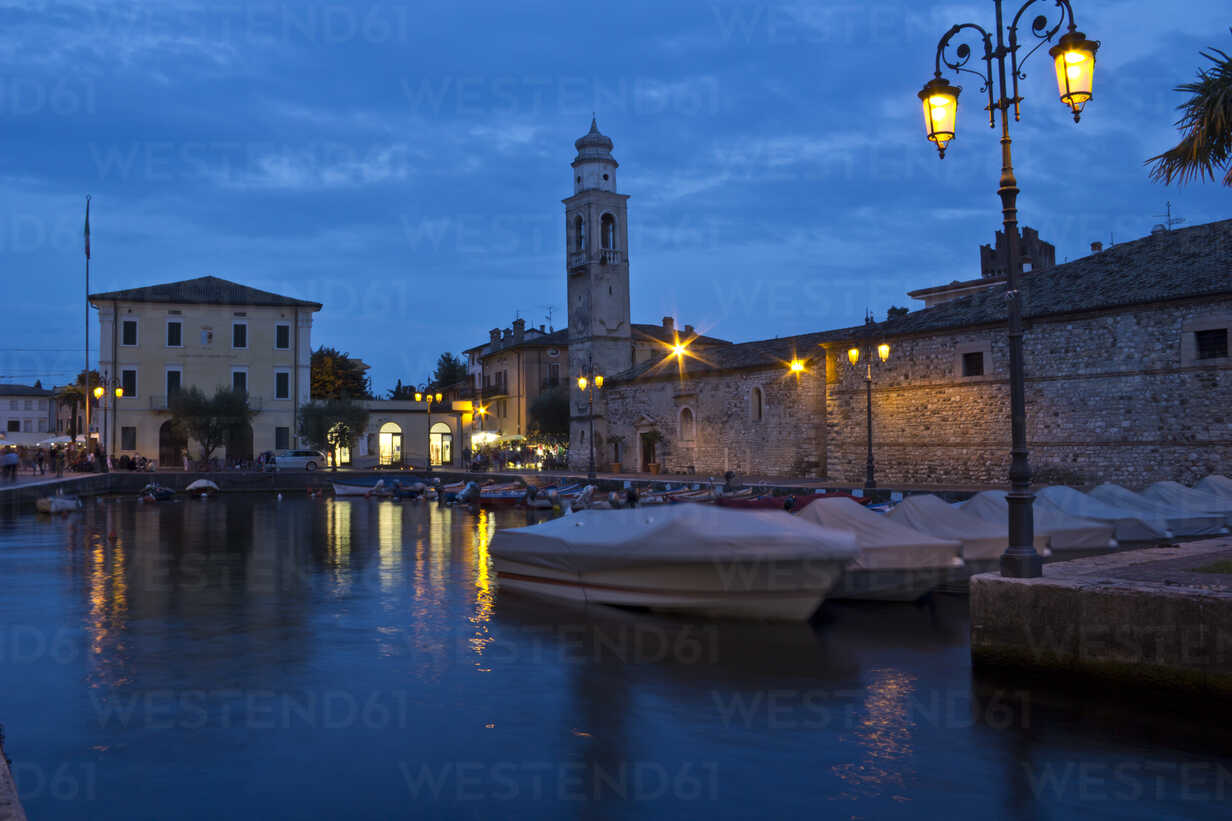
{"x": 1108, "y": 399}
{"x": 788, "y": 439}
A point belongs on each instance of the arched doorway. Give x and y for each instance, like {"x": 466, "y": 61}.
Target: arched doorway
{"x": 440, "y": 444}
{"x": 172, "y": 444}
{"x": 389, "y": 444}
{"x": 239, "y": 443}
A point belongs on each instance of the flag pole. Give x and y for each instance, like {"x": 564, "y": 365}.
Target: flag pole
{"x": 85, "y": 388}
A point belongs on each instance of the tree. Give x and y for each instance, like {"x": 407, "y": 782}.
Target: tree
{"x": 895, "y": 312}
{"x": 450, "y": 369}
{"x": 549, "y": 413}
{"x": 401, "y": 391}
{"x": 331, "y": 424}
{"x": 335, "y": 375}
{"x": 210, "y": 420}
{"x": 74, "y": 394}
{"x": 1206, "y": 126}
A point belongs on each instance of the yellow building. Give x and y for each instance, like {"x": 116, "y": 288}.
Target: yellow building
{"x": 208, "y": 333}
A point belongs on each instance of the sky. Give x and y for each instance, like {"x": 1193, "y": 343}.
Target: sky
{"x": 404, "y": 163}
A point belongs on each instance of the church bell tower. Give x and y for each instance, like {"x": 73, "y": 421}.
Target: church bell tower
{"x": 597, "y": 268}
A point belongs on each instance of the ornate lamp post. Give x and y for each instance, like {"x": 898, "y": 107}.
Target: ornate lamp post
{"x": 1074, "y": 61}
{"x": 853, "y": 356}
{"x": 430, "y": 398}
{"x": 588, "y": 383}
{"x": 108, "y": 385}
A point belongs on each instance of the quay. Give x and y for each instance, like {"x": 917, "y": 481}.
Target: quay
{"x": 1157, "y": 619}
{"x": 10, "y": 805}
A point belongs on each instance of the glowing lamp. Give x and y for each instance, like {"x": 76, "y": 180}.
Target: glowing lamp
{"x": 419, "y": 397}
{"x": 582, "y": 383}
{"x": 796, "y": 366}
{"x": 853, "y": 355}
{"x": 598, "y": 380}
{"x": 940, "y": 101}
{"x": 883, "y": 351}
{"x": 119, "y": 392}
{"x": 1074, "y": 56}
{"x": 678, "y": 349}
{"x": 483, "y": 411}
{"x": 438, "y": 397}
{"x": 98, "y": 392}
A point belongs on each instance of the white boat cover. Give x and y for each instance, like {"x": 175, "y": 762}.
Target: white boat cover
{"x": 1179, "y": 521}
{"x": 1216, "y": 485}
{"x": 981, "y": 539}
{"x": 884, "y": 544}
{"x": 592, "y": 540}
{"x": 201, "y": 484}
{"x": 1053, "y": 527}
{"x": 1132, "y": 522}
{"x": 1188, "y": 500}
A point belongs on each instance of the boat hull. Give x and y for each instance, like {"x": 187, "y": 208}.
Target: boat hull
{"x": 740, "y": 588}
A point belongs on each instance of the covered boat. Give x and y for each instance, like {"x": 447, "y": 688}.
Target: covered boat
{"x": 1131, "y": 522}
{"x": 154, "y": 492}
{"x": 1217, "y": 486}
{"x": 379, "y": 489}
{"x": 983, "y": 541}
{"x": 1190, "y": 501}
{"x": 1178, "y": 520}
{"x": 689, "y": 558}
{"x": 201, "y": 486}
{"x": 1054, "y": 528}
{"x": 895, "y": 562}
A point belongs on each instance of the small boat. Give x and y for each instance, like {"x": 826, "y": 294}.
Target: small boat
{"x": 57, "y": 504}
{"x": 895, "y": 562}
{"x": 202, "y": 486}
{"x": 154, "y": 492}
{"x": 379, "y": 489}
{"x": 684, "y": 558}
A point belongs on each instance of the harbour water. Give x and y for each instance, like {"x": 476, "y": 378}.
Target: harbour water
{"x": 245, "y": 657}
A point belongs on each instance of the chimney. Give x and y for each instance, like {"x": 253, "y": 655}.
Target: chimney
{"x": 508, "y": 334}
{"x": 688, "y": 330}
{"x": 1096, "y": 247}
{"x": 519, "y": 329}
{"x": 669, "y": 323}
{"x": 494, "y": 335}
{"x": 541, "y": 329}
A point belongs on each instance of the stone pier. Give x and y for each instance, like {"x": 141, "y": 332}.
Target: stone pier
{"x": 1157, "y": 618}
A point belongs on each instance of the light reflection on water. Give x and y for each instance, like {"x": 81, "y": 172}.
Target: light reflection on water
{"x": 191, "y": 618}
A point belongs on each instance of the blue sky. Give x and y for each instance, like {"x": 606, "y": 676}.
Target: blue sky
{"x": 403, "y": 163}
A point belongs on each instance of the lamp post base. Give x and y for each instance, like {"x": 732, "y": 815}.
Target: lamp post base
{"x": 1022, "y": 565}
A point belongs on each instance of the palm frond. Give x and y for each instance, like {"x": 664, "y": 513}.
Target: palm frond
{"x": 1206, "y": 126}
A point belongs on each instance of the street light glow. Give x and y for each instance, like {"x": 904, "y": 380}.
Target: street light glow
{"x": 796, "y": 366}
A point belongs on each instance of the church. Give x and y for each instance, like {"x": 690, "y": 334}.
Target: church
{"x": 1128, "y": 377}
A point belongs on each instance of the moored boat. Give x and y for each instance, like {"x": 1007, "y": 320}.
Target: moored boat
{"x": 154, "y": 492}
{"x": 57, "y": 504}
{"x": 682, "y": 558}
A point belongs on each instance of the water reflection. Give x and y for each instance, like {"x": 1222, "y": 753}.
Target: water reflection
{"x": 485, "y": 528}
{"x": 884, "y": 731}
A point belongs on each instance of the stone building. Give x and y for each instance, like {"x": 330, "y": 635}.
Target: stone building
{"x": 1128, "y": 380}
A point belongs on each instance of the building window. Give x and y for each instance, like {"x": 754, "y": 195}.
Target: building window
{"x": 239, "y": 334}
{"x": 175, "y": 333}
{"x": 128, "y": 333}
{"x": 174, "y": 382}
{"x": 688, "y": 427}
{"x": 553, "y": 374}
{"x": 239, "y": 381}
{"x": 42, "y": 426}
{"x": 1212, "y": 344}
{"x": 282, "y": 438}
{"x": 579, "y": 234}
{"x": 282, "y": 384}
{"x": 501, "y": 408}
{"x": 26, "y": 426}
{"x": 973, "y": 363}
{"x": 608, "y": 231}
{"x": 12, "y": 404}
{"x": 128, "y": 382}
{"x": 207, "y": 337}
{"x": 14, "y": 426}
{"x": 758, "y": 402}
{"x": 282, "y": 336}
{"x": 128, "y": 437}
{"x": 29, "y": 404}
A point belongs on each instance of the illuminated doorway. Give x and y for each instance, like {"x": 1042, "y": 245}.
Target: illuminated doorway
{"x": 440, "y": 444}
{"x": 390, "y": 444}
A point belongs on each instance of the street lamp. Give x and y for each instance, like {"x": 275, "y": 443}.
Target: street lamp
{"x": 588, "y": 383}
{"x": 107, "y": 385}
{"x": 1074, "y": 61}
{"x": 853, "y": 356}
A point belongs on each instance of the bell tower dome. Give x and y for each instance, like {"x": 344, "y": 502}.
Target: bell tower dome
{"x": 594, "y": 167}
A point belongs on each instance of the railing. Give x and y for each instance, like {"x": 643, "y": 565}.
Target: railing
{"x": 609, "y": 256}
{"x": 578, "y": 259}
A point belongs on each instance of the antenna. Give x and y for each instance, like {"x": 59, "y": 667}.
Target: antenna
{"x": 549, "y": 309}
{"x": 1167, "y": 217}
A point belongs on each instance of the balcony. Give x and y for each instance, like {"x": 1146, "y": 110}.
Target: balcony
{"x": 578, "y": 259}
{"x": 609, "y": 256}
{"x": 606, "y": 256}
